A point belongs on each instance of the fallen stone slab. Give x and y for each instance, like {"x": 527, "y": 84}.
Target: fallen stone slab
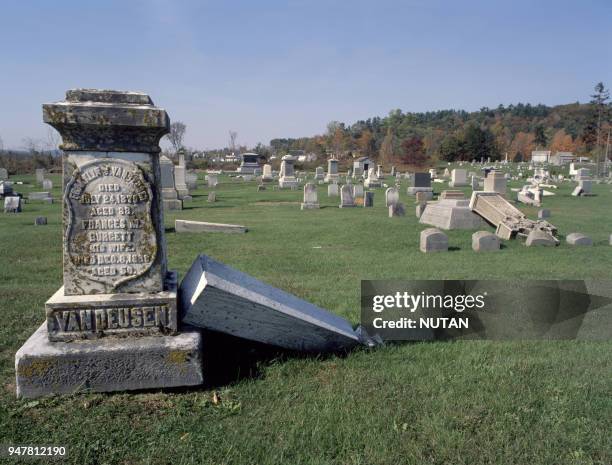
{"x": 186, "y": 226}
{"x": 579, "y": 239}
{"x": 108, "y": 364}
{"x": 217, "y": 297}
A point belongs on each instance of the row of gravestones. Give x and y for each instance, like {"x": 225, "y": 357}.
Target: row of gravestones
{"x": 349, "y": 195}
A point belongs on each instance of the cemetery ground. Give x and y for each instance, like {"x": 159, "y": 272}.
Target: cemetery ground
{"x": 476, "y": 402}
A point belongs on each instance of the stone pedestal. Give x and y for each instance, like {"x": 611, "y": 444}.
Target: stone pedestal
{"x": 43, "y": 367}
{"x": 287, "y": 177}
{"x": 113, "y": 325}
{"x": 332, "y": 175}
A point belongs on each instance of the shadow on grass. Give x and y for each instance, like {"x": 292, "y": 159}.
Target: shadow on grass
{"x": 229, "y": 359}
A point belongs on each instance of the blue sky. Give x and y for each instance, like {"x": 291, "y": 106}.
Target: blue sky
{"x": 286, "y": 68}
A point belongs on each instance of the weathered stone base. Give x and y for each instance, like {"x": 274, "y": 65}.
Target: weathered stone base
{"x": 172, "y": 204}
{"x": 414, "y": 190}
{"x": 109, "y": 364}
{"x": 451, "y": 214}
{"x": 308, "y": 206}
{"x": 288, "y": 183}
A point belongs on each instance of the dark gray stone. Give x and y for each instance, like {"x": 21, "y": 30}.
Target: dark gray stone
{"x": 109, "y": 364}
{"x": 40, "y": 220}
{"x": 368, "y": 199}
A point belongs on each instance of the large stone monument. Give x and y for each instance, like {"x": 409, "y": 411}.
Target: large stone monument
{"x": 287, "y": 173}
{"x": 421, "y": 183}
{"x": 113, "y": 324}
{"x": 249, "y": 163}
{"x": 458, "y": 178}
{"x": 332, "y": 171}
{"x": 372, "y": 180}
{"x": 495, "y": 181}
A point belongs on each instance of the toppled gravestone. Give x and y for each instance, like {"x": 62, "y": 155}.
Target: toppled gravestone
{"x": 509, "y": 221}
{"x": 216, "y": 297}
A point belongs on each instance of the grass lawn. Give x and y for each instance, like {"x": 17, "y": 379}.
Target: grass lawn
{"x": 469, "y": 402}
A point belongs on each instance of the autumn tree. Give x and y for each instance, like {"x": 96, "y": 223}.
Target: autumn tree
{"x": 387, "y": 148}
{"x": 562, "y": 142}
{"x": 522, "y": 146}
{"x": 413, "y": 151}
{"x": 452, "y": 147}
{"x": 365, "y": 142}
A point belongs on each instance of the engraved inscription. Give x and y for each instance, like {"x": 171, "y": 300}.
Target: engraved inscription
{"x": 110, "y": 234}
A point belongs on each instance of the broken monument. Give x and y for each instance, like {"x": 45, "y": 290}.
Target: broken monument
{"x": 115, "y": 277}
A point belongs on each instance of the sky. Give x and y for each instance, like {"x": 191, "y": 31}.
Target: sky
{"x": 269, "y": 69}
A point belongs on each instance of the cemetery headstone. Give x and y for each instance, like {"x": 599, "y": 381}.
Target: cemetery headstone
{"x": 319, "y": 173}
{"x": 332, "y": 190}
{"x": 12, "y": 204}
{"x": 579, "y": 239}
{"x": 3, "y": 174}
{"x": 212, "y": 197}
{"x": 485, "y": 241}
{"x": 495, "y": 182}
{"x": 368, "y": 199}
{"x": 47, "y": 184}
{"x": 212, "y": 180}
{"x": 372, "y": 180}
{"x": 543, "y": 213}
{"x": 396, "y": 209}
{"x": 346, "y": 197}
{"x": 421, "y": 183}
{"x": 267, "y": 173}
{"x": 169, "y": 194}
{"x": 180, "y": 177}
{"x": 113, "y": 325}
{"x": 310, "y": 197}
{"x": 458, "y": 178}
{"x": 391, "y": 196}
{"x": 332, "y": 171}
{"x": 40, "y": 220}
{"x": 357, "y": 190}
{"x": 433, "y": 240}
{"x": 287, "y": 177}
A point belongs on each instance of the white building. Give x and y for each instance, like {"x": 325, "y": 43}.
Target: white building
{"x": 540, "y": 156}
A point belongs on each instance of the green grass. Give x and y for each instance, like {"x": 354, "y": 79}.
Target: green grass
{"x": 433, "y": 403}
